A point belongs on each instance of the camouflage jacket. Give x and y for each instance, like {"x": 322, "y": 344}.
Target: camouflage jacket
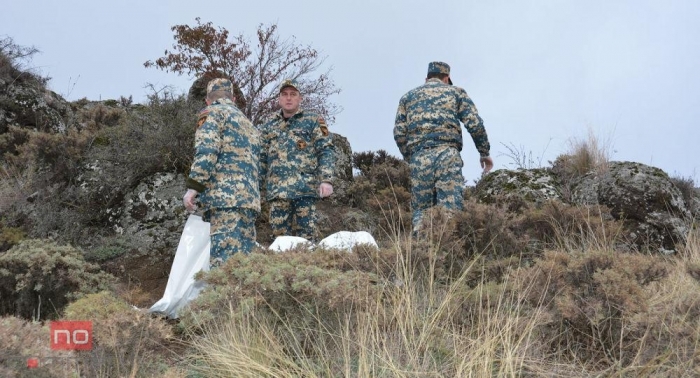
{"x": 429, "y": 116}
{"x": 297, "y": 155}
{"x": 225, "y": 167}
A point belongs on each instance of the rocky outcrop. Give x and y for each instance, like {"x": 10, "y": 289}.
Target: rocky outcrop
{"x": 153, "y": 211}
{"x": 533, "y": 185}
{"x": 643, "y": 197}
{"x": 25, "y": 101}
{"x": 652, "y": 208}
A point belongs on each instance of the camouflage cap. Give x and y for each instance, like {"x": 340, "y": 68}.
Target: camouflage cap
{"x": 439, "y": 67}
{"x": 289, "y": 83}
{"x": 220, "y": 85}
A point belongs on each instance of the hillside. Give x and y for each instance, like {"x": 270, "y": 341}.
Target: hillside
{"x": 587, "y": 267}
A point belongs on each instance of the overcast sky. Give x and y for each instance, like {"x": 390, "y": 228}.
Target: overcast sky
{"x": 541, "y": 72}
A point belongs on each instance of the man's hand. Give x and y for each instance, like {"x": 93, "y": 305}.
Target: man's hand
{"x": 486, "y": 163}
{"x": 188, "y": 200}
{"x": 325, "y": 189}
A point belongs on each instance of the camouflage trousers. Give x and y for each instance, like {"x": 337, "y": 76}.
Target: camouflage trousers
{"x": 232, "y": 231}
{"x": 436, "y": 180}
{"x": 294, "y": 217}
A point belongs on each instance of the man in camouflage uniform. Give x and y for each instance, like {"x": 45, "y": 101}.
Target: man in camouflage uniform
{"x": 296, "y": 165}
{"x": 428, "y": 133}
{"x": 225, "y": 173}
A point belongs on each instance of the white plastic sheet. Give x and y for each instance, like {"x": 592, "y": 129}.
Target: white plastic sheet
{"x": 285, "y": 243}
{"x": 192, "y": 256}
{"x": 345, "y": 240}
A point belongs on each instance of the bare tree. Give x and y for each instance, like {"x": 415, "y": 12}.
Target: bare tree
{"x": 14, "y": 60}
{"x": 256, "y": 70}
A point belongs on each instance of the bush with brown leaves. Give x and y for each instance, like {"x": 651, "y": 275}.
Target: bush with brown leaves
{"x": 23, "y": 340}
{"x": 592, "y": 298}
{"x": 126, "y": 341}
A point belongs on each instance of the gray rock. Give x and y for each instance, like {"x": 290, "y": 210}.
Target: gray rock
{"x": 30, "y": 105}
{"x": 532, "y": 185}
{"x": 644, "y": 197}
{"x": 153, "y": 212}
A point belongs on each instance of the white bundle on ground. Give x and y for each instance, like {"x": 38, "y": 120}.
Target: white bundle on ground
{"x": 345, "y": 240}
{"x": 192, "y": 256}
{"x": 285, "y": 243}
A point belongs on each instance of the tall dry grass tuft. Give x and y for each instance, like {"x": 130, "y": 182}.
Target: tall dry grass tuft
{"x": 590, "y": 155}
{"x": 247, "y": 344}
{"x": 416, "y": 324}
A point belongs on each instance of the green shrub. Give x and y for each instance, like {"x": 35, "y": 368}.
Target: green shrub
{"x": 56, "y": 158}
{"x": 291, "y": 284}
{"x": 112, "y": 248}
{"x": 157, "y": 138}
{"x": 125, "y": 340}
{"x": 382, "y": 189}
{"x": 104, "y": 115}
{"x": 9, "y": 236}
{"x": 12, "y": 139}
{"x": 38, "y": 278}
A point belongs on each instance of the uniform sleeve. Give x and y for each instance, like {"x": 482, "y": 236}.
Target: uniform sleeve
{"x": 400, "y": 129}
{"x": 206, "y": 140}
{"x": 325, "y": 153}
{"x": 473, "y": 123}
{"x": 264, "y": 143}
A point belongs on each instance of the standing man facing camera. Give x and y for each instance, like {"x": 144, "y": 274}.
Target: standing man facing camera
{"x": 224, "y": 173}
{"x": 296, "y": 165}
{"x": 428, "y": 133}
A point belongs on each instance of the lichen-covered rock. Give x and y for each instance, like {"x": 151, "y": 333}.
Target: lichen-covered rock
{"x": 32, "y": 106}
{"x": 694, "y": 205}
{"x": 644, "y": 197}
{"x": 153, "y": 211}
{"x": 532, "y": 185}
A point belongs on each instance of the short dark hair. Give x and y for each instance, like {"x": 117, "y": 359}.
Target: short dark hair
{"x": 215, "y": 95}
{"x": 438, "y": 75}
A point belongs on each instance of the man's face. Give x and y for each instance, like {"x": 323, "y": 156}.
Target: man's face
{"x": 290, "y": 99}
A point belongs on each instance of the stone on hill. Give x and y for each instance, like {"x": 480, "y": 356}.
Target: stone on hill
{"x": 644, "y": 197}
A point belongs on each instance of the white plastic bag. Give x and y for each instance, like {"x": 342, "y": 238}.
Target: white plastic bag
{"x": 192, "y": 256}
{"x": 344, "y": 240}
{"x": 285, "y": 243}
{"x": 347, "y": 240}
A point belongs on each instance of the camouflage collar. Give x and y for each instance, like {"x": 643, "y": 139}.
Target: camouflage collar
{"x": 280, "y": 114}
{"x": 434, "y": 80}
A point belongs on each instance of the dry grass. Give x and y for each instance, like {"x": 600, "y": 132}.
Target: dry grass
{"x": 589, "y": 155}
{"x": 419, "y": 325}
{"x": 415, "y": 326}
